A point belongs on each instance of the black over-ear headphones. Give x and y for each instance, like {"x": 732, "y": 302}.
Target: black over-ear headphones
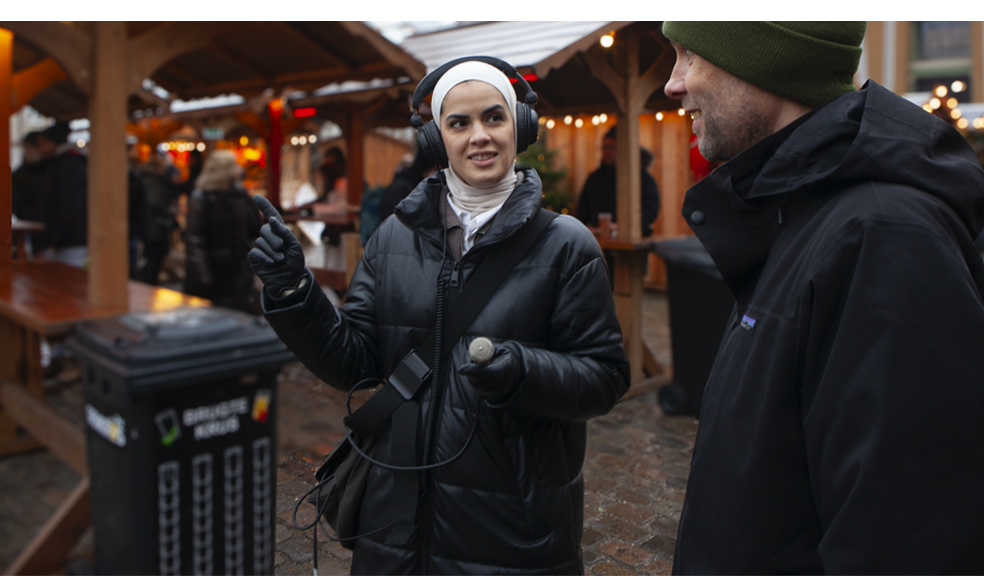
{"x": 527, "y": 122}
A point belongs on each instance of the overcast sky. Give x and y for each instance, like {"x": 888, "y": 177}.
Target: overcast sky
{"x": 396, "y": 31}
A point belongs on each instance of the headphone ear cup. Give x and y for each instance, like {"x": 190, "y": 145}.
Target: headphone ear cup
{"x": 527, "y": 127}
{"x": 433, "y": 145}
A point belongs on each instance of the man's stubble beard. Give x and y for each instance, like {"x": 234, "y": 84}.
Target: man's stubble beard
{"x": 735, "y": 128}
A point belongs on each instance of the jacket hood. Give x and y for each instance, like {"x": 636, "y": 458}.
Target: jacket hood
{"x": 419, "y": 210}
{"x": 868, "y": 135}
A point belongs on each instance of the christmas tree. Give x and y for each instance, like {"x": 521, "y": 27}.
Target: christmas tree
{"x": 540, "y": 159}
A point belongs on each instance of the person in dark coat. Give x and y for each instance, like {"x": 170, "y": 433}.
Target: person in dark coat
{"x": 842, "y": 426}
{"x": 222, "y": 223}
{"x": 158, "y": 217}
{"x": 27, "y": 186}
{"x": 599, "y": 195}
{"x": 404, "y": 182}
{"x": 513, "y": 502}
{"x": 64, "y": 212}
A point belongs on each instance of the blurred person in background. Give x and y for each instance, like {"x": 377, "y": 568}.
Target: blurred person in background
{"x": 136, "y": 208}
{"x": 158, "y": 217}
{"x": 194, "y": 171}
{"x": 222, "y": 223}
{"x": 408, "y": 175}
{"x": 27, "y": 185}
{"x": 64, "y": 211}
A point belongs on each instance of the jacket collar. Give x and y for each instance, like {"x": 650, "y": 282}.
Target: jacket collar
{"x": 420, "y": 211}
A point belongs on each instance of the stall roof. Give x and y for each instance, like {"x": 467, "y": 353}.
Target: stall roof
{"x": 558, "y": 53}
{"x": 522, "y": 44}
{"x": 198, "y": 59}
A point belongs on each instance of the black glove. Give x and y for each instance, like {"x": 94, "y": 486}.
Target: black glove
{"x": 277, "y": 258}
{"x": 499, "y": 377}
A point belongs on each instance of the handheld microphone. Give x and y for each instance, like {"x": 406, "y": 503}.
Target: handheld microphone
{"x": 481, "y": 351}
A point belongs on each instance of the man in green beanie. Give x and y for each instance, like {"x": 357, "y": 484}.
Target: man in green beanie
{"x": 842, "y": 425}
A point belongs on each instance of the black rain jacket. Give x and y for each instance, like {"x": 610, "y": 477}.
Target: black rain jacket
{"x": 513, "y": 503}
{"x": 842, "y": 426}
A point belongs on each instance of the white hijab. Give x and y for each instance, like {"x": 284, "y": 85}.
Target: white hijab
{"x": 464, "y": 197}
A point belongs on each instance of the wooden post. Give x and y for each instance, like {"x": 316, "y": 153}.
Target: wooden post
{"x": 276, "y": 109}
{"x": 107, "y": 182}
{"x": 628, "y": 164}
{"x": 675, "y": 152}
{"x": 6, "y": 97}
{"x": 356, "y": 136}
{"x": 903, "y": 55}
{"x": 976, "y": 61}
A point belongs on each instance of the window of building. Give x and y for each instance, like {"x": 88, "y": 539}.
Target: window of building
{"x": 940, "y": 40}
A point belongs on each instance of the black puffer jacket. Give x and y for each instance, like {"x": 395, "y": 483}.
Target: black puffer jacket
{"x": 513, "y": 502}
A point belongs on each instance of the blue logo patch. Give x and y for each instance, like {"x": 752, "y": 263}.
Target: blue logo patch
{"x": 747, "y": 322}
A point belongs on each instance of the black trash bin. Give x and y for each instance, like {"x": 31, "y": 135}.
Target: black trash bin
{"x": 700, "y": 305}
{"x": 182, "y": 444}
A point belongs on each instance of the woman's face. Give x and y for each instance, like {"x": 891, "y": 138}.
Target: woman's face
{"x": 477, "y": 129}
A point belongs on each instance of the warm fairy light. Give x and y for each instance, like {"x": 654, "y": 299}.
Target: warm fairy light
{"x": 603, "y": 118}
{"x": 551, "y": 124}
{"x": 958, "y": 86}
{"x": 951, "y": 103}
{"x": 568, "y": 119}
{"x": 935, "y": 103}
{"x": 681, "y": 112}
{"x": 659, "y": 116}
{"x": 312, "y": 138}
{"x": 955, "y": 113}
{"x": 165, "y": 146}
{"x": 927, "y": 108}
{"x": 595, "y": 120}
{"x": 542, "y": 121}
{"x": 293, "y": 140}
{"x": 200, "y": 147}
{"x": 243, "y": 140}
{"x": 80, "y": 143}
{"x": 962, "y": 123}
{"x": 578, "y": 123}
{"x": 940, "y": 91}
{"x": 607, "y": 40}
{"x": 979, "y": 123}
{"x": 302, "y": 140}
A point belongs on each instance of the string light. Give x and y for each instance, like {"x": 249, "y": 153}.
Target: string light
{"x": 80, "y": 143}
{"x": 293, "y": 140}
{"x": 940, "y": 91}
{"x": 681, "y": 112}
{"x": 542, "y": 120}
{"x": 955, "y": 113}
{"x": 595, "y": 120}
{"x": 568, "y": 119}
{"x": 962, "y": 123}
{"x": 578, "y": 123}
{"x": 243, "y": 140}
{"x": 935, "y": 103}
{"x": 302, "y": 140}
{"x": 951, "y": 103}
{"x": 659, "y": 116}
{"x": 200, "y": 147}
{"x": 927, "y": 107}
{"x": 958, "y": 86}
{"x": 312, "y": 138}
{"x": 607, "y": 40}
{"x": 551, "y": 124}
{"x": 603, "y": 118}
{"x": 165, "y": 146}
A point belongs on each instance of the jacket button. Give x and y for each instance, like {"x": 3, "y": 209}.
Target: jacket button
{"x": 697, "y": 217}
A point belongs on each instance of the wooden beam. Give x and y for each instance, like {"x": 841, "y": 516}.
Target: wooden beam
{"x": 874, "y": 51}
{"x": 224, "y": 51}
{"x": 107, "y": 180}
{"x": 628, "y": 164}
{"x": 46, "y": 553}
{"x": 64, "y": 439}
{"x": 158, "y": 46}
{"x": 70, "y": 47}
{"x": 600, "y": 69}
{"x": 30, "y": 81}
{"x": 190, "y": 79}
{"x": 584, "y": 45}
{"x": 6, "y": 90}
{"x": 676, "y": 174}
{"x": 316, "y": 45}
{"x": 393, "y": 54}
{"x": 259, "y": 125}
{"x": 275, "y": 141}
{"x": 355, "y": 138}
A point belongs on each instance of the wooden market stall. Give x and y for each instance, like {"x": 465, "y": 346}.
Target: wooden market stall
{"x": 97, "y": 70}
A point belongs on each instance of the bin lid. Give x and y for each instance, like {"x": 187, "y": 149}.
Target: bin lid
{"x": 189, "y": 341}
{"x": 688, "y": 252}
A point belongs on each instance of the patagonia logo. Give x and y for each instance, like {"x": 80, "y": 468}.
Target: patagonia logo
{"x": 747, "y": 322}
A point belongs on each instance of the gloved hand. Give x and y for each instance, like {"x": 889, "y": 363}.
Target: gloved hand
{"x": 499, "y": 377}
{"x": 277, "y": 258}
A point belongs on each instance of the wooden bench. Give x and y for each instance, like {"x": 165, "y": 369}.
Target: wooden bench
{"x": 45, "y": 299}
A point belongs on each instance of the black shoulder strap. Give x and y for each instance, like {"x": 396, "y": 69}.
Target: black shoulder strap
{"x": 413, "y": 370}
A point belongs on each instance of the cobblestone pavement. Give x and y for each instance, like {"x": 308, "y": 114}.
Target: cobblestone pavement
{"x": 635, "y": 473}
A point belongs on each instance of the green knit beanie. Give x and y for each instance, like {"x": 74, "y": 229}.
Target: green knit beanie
{"x": 807, "y": 62}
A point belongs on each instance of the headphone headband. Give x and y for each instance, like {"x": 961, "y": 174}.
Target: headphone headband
{"x": 427, "y": 85}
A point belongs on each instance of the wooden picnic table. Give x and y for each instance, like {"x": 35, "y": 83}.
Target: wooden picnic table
{"x": 45, "y": 299}
{"x": 20, "y": 229}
